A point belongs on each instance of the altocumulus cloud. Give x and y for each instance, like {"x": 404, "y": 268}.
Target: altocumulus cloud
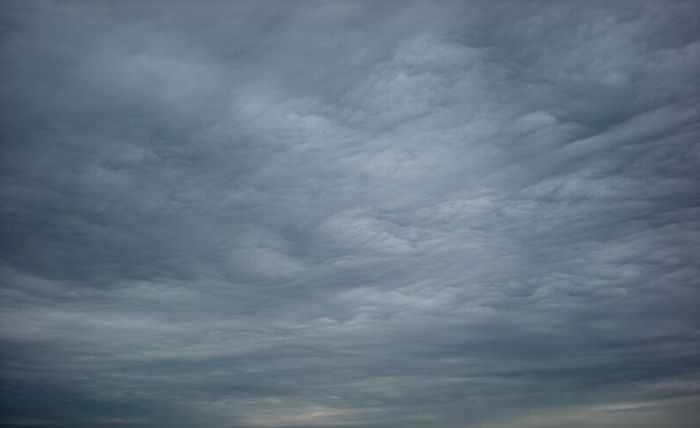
{"x": 350, "y": 213}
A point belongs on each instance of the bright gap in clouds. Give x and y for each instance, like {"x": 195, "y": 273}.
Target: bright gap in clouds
{"x": 332, "y": 214}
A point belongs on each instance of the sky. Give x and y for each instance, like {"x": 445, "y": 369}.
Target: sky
{"x": 377, "y": 214}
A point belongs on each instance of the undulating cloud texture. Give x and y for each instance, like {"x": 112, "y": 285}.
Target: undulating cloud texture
{"x": 381, "y": 214}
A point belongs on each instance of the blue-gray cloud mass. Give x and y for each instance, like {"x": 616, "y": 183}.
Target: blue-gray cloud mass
{"x": 390, "y": 214}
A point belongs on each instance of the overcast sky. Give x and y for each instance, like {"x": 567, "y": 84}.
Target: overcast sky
{"x": 381, "y": 214}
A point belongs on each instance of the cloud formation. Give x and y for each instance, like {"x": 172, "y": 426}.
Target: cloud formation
{"x": 333, "y": 214}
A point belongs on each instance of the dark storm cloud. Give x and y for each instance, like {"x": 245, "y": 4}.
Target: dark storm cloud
{"x": 378, "y": 214}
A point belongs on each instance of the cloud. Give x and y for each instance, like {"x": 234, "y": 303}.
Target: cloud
{"x": 338, "y": 214}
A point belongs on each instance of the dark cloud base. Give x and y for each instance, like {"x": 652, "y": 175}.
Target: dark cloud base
{"x": 341, "y": 214}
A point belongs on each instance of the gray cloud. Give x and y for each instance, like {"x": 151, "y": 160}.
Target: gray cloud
{"x": 316, "y": 214}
